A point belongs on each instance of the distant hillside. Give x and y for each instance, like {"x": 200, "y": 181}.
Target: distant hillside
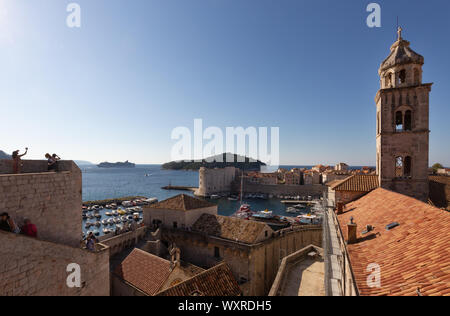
{"x": 83, "y": 163}
{"x": 249, "y": 164}
{"x": 4, "y": 155}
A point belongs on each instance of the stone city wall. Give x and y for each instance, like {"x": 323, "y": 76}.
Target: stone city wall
{"x": 51, "y": 200}
{"x": 282, "y": 189}
{"x": 34, "y": 267}
{"x": 119, "y": 243}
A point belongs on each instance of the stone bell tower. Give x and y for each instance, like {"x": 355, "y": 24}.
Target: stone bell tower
{"x": 403, "y": 122}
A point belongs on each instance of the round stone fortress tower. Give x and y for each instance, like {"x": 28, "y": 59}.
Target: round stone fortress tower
{"x": 403, "y": 122}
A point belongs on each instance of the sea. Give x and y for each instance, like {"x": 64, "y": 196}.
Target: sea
{"x": 148, "y": 180}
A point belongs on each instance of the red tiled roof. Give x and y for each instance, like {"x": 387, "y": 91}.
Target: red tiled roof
{"x": 231, "y": 228}
{"x": 217, "y": 281}
{"x": 144, "y": 271}
{"x": 415, "y": 254}
{"x": 358, "y": 183}
{"x": 182, "y": 202}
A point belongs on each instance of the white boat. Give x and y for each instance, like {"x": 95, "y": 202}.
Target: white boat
{"x": 291, "y": 210}
{"x": 127, "y": 203}
{"x": 214, "y": 197}
{"x": 151, "y": 200}
{"x": 264, "y": 214}
{"x": 104, "y": 222}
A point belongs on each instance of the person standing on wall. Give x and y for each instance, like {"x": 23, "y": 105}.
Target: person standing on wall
{"x": 17, "y": 161}
{"x": 90, "y": 242}
{"x": 50, "y": 162}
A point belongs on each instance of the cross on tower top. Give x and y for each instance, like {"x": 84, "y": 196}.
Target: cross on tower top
{"x": 399, "y": 32}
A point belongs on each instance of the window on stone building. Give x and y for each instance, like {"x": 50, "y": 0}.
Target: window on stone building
{"x": 402, "y": 77}
{"x": 175, "y": 225}
{"x": 388, "y": 80}
{"x": 408, "y": 120}
{"x": 399, "y": 121}
{"x": 407, "y": 167}
{"x": 399, "y": 167}
{"x": 242, "y": 280}
{"x": 216, "y": 252}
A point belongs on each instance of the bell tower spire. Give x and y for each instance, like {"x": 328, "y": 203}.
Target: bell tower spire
{"x": 403, "y": 122}
{"x": 399, "y": 32}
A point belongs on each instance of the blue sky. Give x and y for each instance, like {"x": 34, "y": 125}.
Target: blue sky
{"x": 116, "y": 88}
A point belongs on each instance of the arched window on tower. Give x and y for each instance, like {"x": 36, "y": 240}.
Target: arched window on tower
{"x": 399, "y": 167}
{"x": 388, "y": 80}
{"x": 402, "y": 77}
{"x": 408, "y": 120}
{"x": 399, "y": 121}
{"x": 407, "y": 167}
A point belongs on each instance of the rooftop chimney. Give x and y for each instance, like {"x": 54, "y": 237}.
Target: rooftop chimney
{"x": 175, "y": 260}
{"x": 351, "y": 232}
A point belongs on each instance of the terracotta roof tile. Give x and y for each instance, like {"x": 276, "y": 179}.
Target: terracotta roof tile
{"x": 413, "y": 255}
{"x": 181, "y": 202}
{"x": 144, "y": 271}
{"x": 358, "y": 182}
{"x": 217, "y": 281}
{"x": 229, "y": 228}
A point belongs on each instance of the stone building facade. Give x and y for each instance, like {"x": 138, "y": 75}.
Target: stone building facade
{"x": 213, "y": 181}
{"x": 180, "y": 211}
{"x": 403, "y": 122}
{"x": 253, "y": 253}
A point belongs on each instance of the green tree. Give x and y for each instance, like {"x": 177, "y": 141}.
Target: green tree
{"x": 437, "y": 166}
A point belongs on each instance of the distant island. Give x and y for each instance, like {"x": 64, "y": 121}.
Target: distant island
{"x": 219, "y": 161}
{"x": 4, "y": 155}
{"x": 83, "y": 163}
{"x": 125, "y": 164}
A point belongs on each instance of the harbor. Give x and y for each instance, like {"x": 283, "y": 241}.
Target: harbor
{"x": 113, "y": 218}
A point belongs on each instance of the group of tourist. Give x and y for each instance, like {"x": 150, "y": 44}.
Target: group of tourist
{"x": 52, "y": 161}
{"x": 7, "y": 224}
